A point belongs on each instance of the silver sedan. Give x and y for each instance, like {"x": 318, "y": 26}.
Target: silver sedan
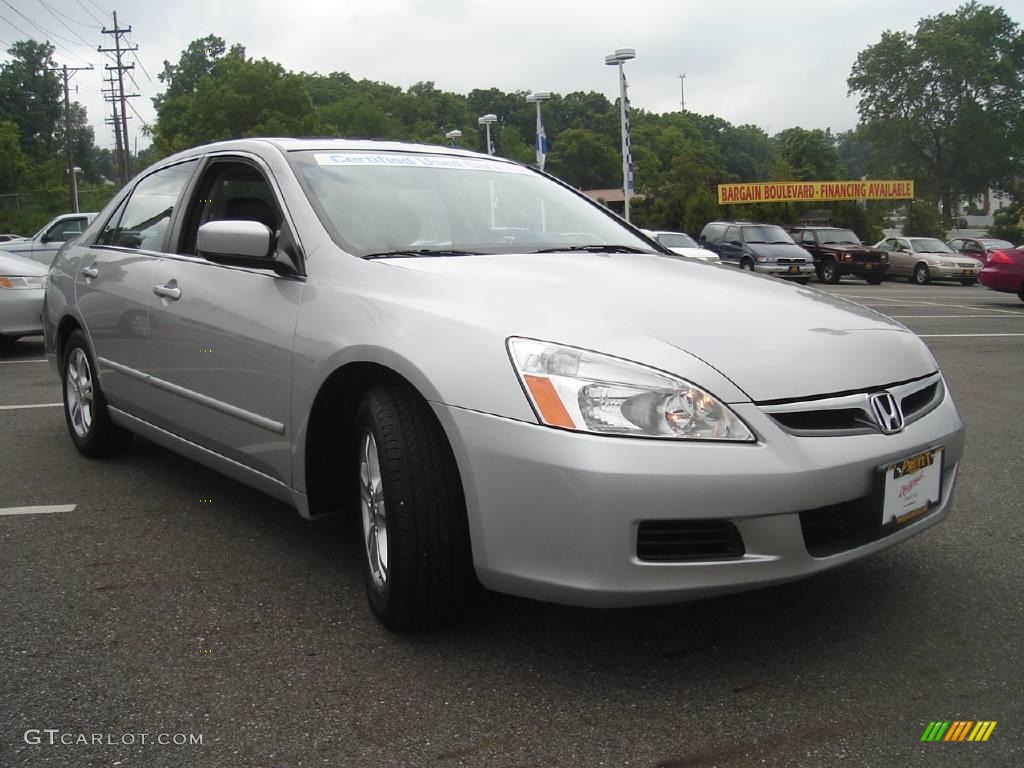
{"x": 21, "y": 297}
{"x": 502, "y": 380}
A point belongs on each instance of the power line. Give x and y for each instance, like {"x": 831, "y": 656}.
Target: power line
{"x": 63, "y": 23}
{"x": 91, "y": 14}
{"x": 105, "y": 13}
{"x": 45, "y": 32}
{"x": 141, "y": 65}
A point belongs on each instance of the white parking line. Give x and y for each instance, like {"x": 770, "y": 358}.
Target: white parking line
{"x": 964, "y": 335}
{"x": 8, "y": 362}
{"x": 906, "y": 303}
{"x": 43, "y": 510}
{"x": 36, "y": 405}
{"x": 932, "y": 317}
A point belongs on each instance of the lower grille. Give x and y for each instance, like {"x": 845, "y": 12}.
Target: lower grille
{"x": 839, "y": 527}
{"x": 791, "y": 261}
{"x": 665, "y": 541}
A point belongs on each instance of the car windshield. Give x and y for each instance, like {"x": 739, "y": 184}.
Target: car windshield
{"x": 676, "y": 240}
{"x": 990, "y": 244}
{"x": 420, "y": 204}
{"x": 766, "y": 233}
{"x": 839, "y": 237}
{"x": 929, "y": 245}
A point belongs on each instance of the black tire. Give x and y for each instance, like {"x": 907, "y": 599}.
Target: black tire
{"x": 100, "y": 436}
{"x": 1020, "y": 292}
{"x": 968, "y": 282}
{"x": 874, "y": 280}
{"x": 747, "y": 264}
{"x": 921, "y": 275}
{"x": 829, "y": 272}
{"x": 428, "y": 574}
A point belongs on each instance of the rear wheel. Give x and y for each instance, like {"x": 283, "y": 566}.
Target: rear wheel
{"x": 85, "y": 407}
{"x": 921, "y": 274}
{"x": 415, "y": 531}
{"x": 829, "y": 272}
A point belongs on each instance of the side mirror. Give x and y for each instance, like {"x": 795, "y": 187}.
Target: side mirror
{"x": 737, "y": 243}
{"x": 45, "y": 239}
{"x": 241, "y": 240}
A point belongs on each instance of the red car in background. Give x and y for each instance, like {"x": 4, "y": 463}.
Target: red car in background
{"x": 1004, "y": 271}
{"x": 979, "y": 247}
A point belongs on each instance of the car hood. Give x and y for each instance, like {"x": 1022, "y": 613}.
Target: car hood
{"x": 773, "y": 339}
{"x": 775, "y": 250}
{"x": 701, "y": 254}
{"x": 14, "y": 265}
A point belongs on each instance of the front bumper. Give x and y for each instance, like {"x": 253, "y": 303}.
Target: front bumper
{"x": 21, "y": 311}
{"x": 954, "y": 273}
{"x": 554, "y": 515}
{"x": 785, "y": 270}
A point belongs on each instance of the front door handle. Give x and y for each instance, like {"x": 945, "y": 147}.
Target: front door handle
{"x": 90, "y": 272}
{"x": 168, "y": 290}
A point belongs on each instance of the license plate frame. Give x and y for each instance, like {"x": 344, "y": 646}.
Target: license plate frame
{"x": 910, "y": 487}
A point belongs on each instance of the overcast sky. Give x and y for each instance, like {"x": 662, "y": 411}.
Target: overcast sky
{"x": 777, "y": 64}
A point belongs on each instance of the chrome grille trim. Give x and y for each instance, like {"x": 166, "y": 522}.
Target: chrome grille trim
{"x": 851, "y": 414}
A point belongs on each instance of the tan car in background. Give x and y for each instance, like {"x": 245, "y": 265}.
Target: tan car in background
{"x": 924, "y": 259}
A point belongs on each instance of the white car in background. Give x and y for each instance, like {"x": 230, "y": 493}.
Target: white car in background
{"x": 683, "y": 244}
{"x": 22, "y": 284}
{"x": 45, "y": 243}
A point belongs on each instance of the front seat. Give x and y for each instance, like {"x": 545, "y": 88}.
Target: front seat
{"x": 252, "y": 209}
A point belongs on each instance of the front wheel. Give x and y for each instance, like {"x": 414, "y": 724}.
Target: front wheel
{"x": 415, "y": 530}
{"x": 85, "y": 407}
{"x": 921, "y": 274}
{"x": 830, "y": 272}
{"x": 747, "y": 264}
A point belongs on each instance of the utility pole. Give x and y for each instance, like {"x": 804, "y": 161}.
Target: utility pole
{"x": 110, "y": 94}
{"x": 69, "y": 135}
{"x": 120, "y": 130}
{"x": 682, "y": 91}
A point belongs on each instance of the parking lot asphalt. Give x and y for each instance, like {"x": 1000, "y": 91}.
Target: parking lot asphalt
{"x": 171, "y": 600}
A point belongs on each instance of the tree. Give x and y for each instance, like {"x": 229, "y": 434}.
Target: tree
{"x": 13, "y": 162}
{"x": 31, "y": 96}
{"x": 943, "y": 105}
{"x": 811, "y": 155}
{"x": 585, "y": 159}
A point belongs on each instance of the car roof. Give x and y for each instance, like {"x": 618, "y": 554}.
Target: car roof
{"x": 327, "y": 144}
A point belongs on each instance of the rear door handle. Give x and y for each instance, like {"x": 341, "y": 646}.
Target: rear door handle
{"x": 91, "y": 272}
{"x": 168, "y": 290}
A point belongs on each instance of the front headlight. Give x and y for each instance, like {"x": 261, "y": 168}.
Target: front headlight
{"x": 585, "y": 391}
{"x": 22, "y": 282}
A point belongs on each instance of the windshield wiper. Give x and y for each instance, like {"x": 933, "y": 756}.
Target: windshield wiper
{"x": 593, "y": 249}
{"x": 419, "y": 252}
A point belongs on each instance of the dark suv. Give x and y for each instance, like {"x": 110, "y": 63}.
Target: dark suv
{"x": 839, "y": 252}
{"x": 765, "y": 248}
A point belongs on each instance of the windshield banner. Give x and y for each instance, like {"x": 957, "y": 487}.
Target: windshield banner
{"x": 809, "y": 191}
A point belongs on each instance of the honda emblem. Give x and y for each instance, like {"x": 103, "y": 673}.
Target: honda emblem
{"x": 887, "y": 412}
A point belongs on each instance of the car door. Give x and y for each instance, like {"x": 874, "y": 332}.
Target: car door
{"x": 728, "y": 248}
{"x": 68, "y": 228}
{"x": 115, "y": 282}
{"x": 222, "y": 333}
{"x": 901, "y": 257}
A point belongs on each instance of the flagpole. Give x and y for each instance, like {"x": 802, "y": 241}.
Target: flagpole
{"x": 542, "y": 140}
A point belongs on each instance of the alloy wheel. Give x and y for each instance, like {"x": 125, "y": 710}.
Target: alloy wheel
{"x": 78, "y": 383}
{"x": 374, "y": 514}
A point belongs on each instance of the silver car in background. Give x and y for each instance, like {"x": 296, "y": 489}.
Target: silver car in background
{"x": 22, "y": 282}
{"x": 44, "y": 244}
{"x": 683, "y": 244}
{"x": 924, "y": 259}
{"x": 501, "y": 379}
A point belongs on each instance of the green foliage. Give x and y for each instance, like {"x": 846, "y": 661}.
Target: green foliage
{"x": 31, "y": 96}
{"x": 924, "y": 220}
{"x": 584, "y": 159}
{"x": 943, "y": 105}
{"x": 810, "y": 155}
{"x": 1009, "y": 223}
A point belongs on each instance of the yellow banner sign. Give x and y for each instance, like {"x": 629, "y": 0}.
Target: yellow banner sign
{"x": 809, "y": 191}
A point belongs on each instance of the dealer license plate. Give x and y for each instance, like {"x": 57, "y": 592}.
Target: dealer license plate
{"x": 968, "y": 273}
{"x": 869, "y": 265}
{"x": 912, "y": 486}
{"x": 794, "y": 269}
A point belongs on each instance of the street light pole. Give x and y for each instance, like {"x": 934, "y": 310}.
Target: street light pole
{"x": 453, "y": 137}
{"x": 542, "y": 139}
{"x": 618, "y": 58}
{"x": 486, "y": 121}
